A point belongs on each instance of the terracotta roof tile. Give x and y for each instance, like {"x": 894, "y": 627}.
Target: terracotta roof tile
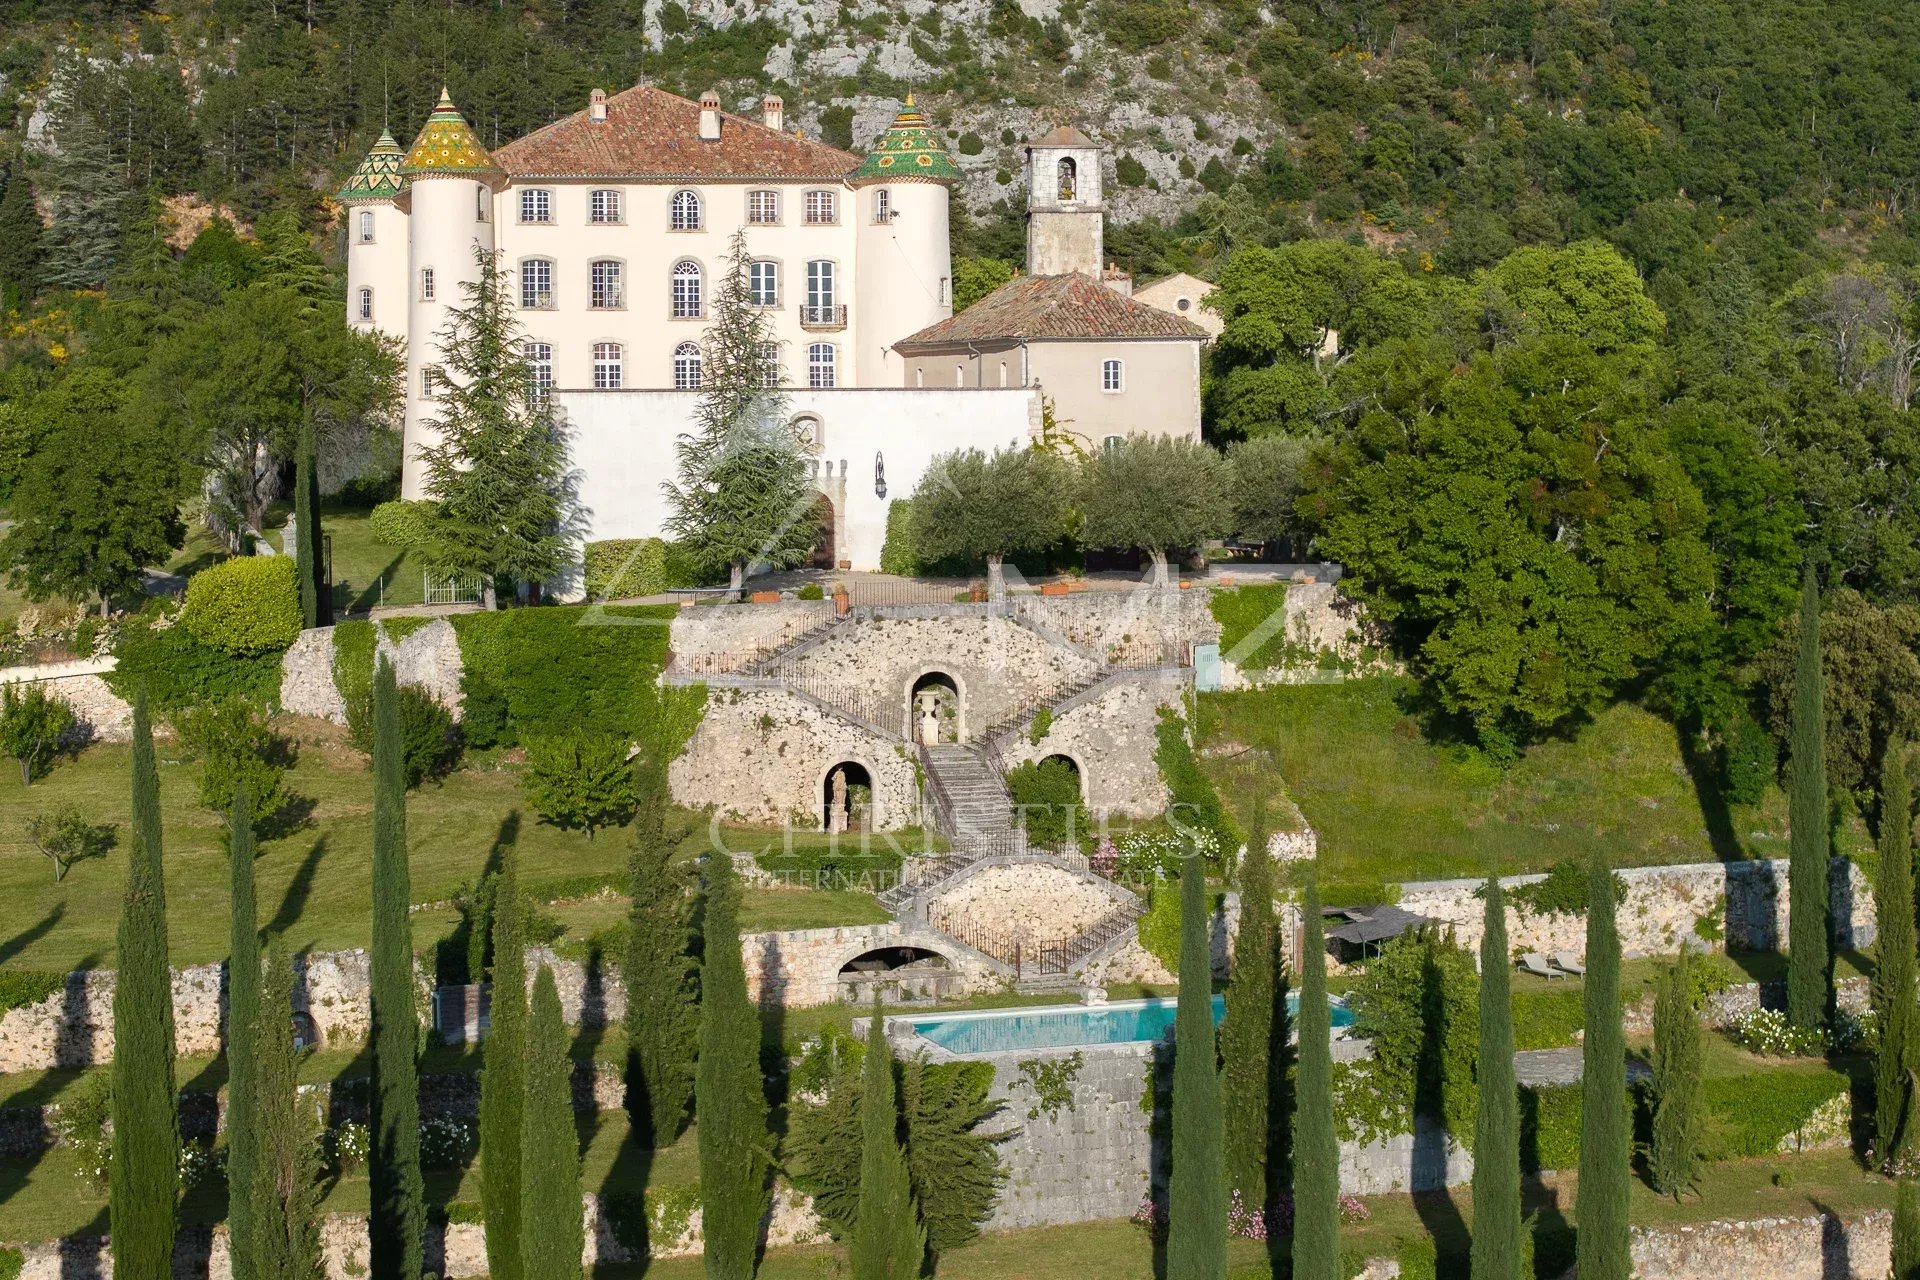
{"x": 650, "y": 133}
{"x": 1043, "y": 307}
{"x": 1062, "y": 135}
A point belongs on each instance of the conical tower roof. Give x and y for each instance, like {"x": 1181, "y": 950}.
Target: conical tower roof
{"x": 908, "y": 150}
{"x": 378, "y": 177}
{"x": 447, "y": 145}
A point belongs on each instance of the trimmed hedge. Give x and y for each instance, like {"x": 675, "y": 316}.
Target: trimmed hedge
{"x": 1243, "y": 610}
{"x": 403, "y": 525}
{"x": 827, "y": 867}
{"x": 247, "y": 606}
{"x": 528, "y": 672}
{"x": 180, "y": 670}
{"x": 22, "y": 987}
{"x": 353, "y": 648}
{"x": 631, "y": 567}
{"x": 1049, "y": 790}
{"x": 897, "y": 553}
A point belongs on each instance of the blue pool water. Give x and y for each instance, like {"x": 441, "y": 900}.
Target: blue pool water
{"x": 1068, "y": 1026}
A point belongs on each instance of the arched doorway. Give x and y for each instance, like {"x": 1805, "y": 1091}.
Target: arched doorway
{"x": 902, "y": 975}
{"x": 933, "y": 709}
{"x": 825, "y": 551}
{"x": 846, "y": 798}
{"x": 1070, "y": 765}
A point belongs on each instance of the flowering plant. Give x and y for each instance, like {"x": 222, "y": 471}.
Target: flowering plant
{"x": 1767, "y": 1031}
{"x": 445, "y": 1143}
{"x": 347, "y": 1147}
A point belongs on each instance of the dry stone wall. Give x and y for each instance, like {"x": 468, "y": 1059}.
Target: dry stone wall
{"x": 801, "y": 967}
{"x": 427, "y": 658}
{"x": 1329, "y": 636}
{"x": 1121, "y": 626}
{"x": 1817, "y": 1247}
{"x": 706, "y": 637}
{"x": 1110, "y": 737}
{"x": 105, "y": 715}
{"x": 1034, "y": 900}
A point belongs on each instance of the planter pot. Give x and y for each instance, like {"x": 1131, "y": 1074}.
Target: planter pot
{"x": 1053, "y": 588}
{"x": 765, "y": 597}
{"x": 1078, "y": 585}
{"x": 846, "y": 564}
{"x": 1226, "y": 580}
{"x": 977, "y": 595}
{"x": 1184, "y": 584}
{"x": 842, "y": 603}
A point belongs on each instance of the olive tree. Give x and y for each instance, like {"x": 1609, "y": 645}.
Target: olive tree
{"x": 1155, "y": 492}
{"x": 977, "y": 506}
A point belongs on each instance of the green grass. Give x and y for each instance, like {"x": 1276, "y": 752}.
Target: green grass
{"x": 1389, "y": 805}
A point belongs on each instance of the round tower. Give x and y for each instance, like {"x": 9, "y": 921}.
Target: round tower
{"x": 376, "y": 241}
{"x": 448, "y": 201}
{"x": 903, "y": 278}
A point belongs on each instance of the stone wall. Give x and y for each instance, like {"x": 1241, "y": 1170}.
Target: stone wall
{"x": 1087, "y": 1161}
{"x": 1110, "y": 737}
{"x": 1035, "y": 900}
{"x": 106, "y": 716}
{"x": 704, "y": 638}
{"x": 802, "y": 967}
{"x": 427, "y": 658}
{"x": 1745, "y": 901}
{"x": 1329, "y": 635}
{"x": 763, "y": 755}
{"x": 1122, "y": 626}
{"x": 1818, "y": 1247}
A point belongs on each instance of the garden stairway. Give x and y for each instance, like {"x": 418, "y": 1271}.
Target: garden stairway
{"x": 970, "y": 797}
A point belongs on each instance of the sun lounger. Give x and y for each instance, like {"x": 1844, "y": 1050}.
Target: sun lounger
{"x": 1568, "y": 962}
{"x": 1536, "y": 964}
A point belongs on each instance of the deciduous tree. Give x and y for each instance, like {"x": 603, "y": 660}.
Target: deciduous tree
{"x": 1156, "y": 493}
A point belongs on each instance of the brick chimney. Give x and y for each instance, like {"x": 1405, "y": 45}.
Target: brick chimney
{"x": 597, "y": 106}
{"x": 710, "y": 116}
{"x": 773, "y": 112}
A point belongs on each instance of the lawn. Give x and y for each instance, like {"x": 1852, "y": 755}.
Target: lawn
{"x": 1389, "y": 805}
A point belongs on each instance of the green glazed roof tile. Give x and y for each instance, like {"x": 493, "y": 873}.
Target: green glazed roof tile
{"x": 447, "y": 145}
{"x": 378, "y": 177}
{"x": 909, "y": 149}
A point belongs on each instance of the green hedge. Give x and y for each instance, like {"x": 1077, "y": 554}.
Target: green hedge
{"x": 1051, "y": 791}
{"x": 403, "y": 525}
{"x": 22, "y": 987}
{"x": 1243, "y": 610}
{"x": 247, "y": 606}
{"x": 897, "y": 554}
{"x": 1193, "y": 798}
{"x": 179, "y": 670}
{"x": 526, "y": 672}
{"x": 1547, "y": 1019}
{"x": 827, "y": 866}
{"x": 353, "y": 648}
{"x": 632, "y": 567}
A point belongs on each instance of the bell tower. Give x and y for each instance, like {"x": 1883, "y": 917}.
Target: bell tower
{"x": 1066, "y": 208}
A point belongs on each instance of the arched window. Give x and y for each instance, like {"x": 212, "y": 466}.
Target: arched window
{"x": 959, "y": 375}
{"x": 366, "y": 226}
{"x": 604, "y": 207}
{"x": 687, "y": 300}
{"x": 1069, "y": 174}
{"x": 684, "y": 211}
{"x": 1112, "y": 376}
{"x": 536, "y": 283}
{"x": 806, "y": 429}
{"x": 606, "y": 279}
{"x": 539, "y": 358}
{"x": 882, "y": 205}
{"x": 686, "y": 367}
{"x": 763, "y": 283}
{"x": 609, "y": 366}
{"x": 366, "y": 304}
{"x": 769, "y": 364}
{"x": 820, "y": 365}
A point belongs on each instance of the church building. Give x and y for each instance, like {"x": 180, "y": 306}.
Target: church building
{"x": 612, "y": 225}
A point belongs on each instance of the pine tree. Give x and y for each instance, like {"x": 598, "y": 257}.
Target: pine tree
{"x": 87, "y": 194}
{"x": 552, "y": 1231}
{"x": 1679, "y": 1107}
{"x": 1255, "y": 1001}
{"x": 1906, "y": 1231}
{"x": 1601, "y": 1207}
{"x": 396, "y": 1215}
{"x": 310, "y": 556}
{"x": 145, "y": 1179}
{"x": 1498, "y": 1246}
{"x": 1894, "y": 952}
{"x": 729, "y": 1095}
{"x": 1316, "y": 1150}
{"x": 744, "y": 497}
{"x": 283, "y": 1190}
{"x": 20, "y": 235}
{"x": 662, "y": 1018}
{"x": 243, "y": 1022}
{"x": 499, "y": 471}
{"x": 888, "y": 1241}
{"x": 503, "y": 1078}
{"x": 1197, "y": 1195}
{"x": 1807, "y": 868}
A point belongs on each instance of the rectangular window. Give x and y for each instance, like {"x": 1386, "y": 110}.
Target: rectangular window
{"x": 606, "y": 285}
{"x": 883, "y": 205}
{"x": 608, "y": 368}
{"x": 763, "y": 283}
{"x": 1110, "y": 375}
{"x": 820, "y": 365}
{"x": 536, "y": 205}
{"x": 536, "y": 283}
{"x": 539, "y": 357}
{"x": 366, "y": 304}
{"x": 763, "y": 208}
{"x": 822, "y": 209}
{"x": 426, "y": 284}
{"x": 769, "y": 364}
{"x": 366, "y": 226}
{"x": 429, "y": 382}
{"x": 820, "y": 281}
{"x": 604, "y": 207}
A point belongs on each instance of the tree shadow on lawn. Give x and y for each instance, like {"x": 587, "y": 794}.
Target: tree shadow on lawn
{"x": 1704, "y": 773}
{"x": 19, "y": 942}
{"x": 294, "y": 901}
{"x": 369, "y": 595}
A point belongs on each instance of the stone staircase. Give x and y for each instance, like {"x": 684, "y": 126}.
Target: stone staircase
{"x": 970, "y": 794}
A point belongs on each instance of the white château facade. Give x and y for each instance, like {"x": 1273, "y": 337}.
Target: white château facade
{"x": 611, "y": 224}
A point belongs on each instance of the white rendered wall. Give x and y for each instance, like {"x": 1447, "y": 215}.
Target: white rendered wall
{"x": 446, "y": 231}
{"x": 1159, "y": 393}
{"x": 905, "y": 268}
{"x": 380, "y": 266}
{"x": 622, "y": 448}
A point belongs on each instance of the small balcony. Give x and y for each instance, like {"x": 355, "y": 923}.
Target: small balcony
{"x": 828, "y": 317}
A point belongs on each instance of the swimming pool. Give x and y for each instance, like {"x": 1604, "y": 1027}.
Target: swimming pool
{"x": 1069, "y": 1026}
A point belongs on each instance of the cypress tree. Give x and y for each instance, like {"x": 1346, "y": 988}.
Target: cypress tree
{"x": 1906, "y": 1231}
{"x": 1255, "y": 1001}
{"x": 1601, "y": 1246}
{"x": 662, "y": 1028}
{"x": 1197, "y": 1197}
{"x": 730, "y": 1096}
{"x": 396, "y": 1213}
{"x": 243, "y": 1026}
{"x": 1807, "y": 868}
{"x": 553, "y": 1231}
{"x": 1894, "y": 978}
{"x": 1679, "y": 1103}
{"x": 1316, "y": 1150}
{"x": 889, "y": 1242}
{"x": 145, "y": 1179}
{"x": 283, "y": 1190}
{"x": 503, "y": 1078}
{"x": 310, "y": 564}
{"x": 1498, "y": 1248}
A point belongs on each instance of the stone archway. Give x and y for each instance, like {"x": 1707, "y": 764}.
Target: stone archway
{"x": 936, "y": 708}
{"x": 1072, "y": 763}
{"x": 846, "y": 800}
{"x": 826, "y": 549}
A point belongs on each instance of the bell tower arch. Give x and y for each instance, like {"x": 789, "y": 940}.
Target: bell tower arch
{"x": 1066, "y": 204}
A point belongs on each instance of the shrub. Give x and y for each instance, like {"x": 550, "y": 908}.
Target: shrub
{"x": 897, "y": 555}
{"x": 403, "y": 525}
{"x": 22, "y": 987}
{"x": 1563, "y": 892}
{"x": 528, "y": 672}
{"x": 1129, "y": 172}
{"x": 844, "y": 865}
{"x": 1243, "y": 610}
{"x": 429, "y": 740}
{"x": 1358, "y": 893}
{"x": 1749, "y": 760}
{"x": 32, "y": 724}
{"x": 581, "y": 780}
{"x": 66, "y": 838}
{"x": 1195, "y": 804}
{"x": 236, "y": 744}
{"x": 1418, "y": 985}
{"x": 247, "y": 606}
{"x": 971, "y": 144}
{"x": 1046, "y": 798}
{"x": 12, "y": 1262}
{"x": 1138, "y": 25}
{"x": 1547, "y": 1019}
{"x": 180, "y": 670}
{"x": 632, "y": 567}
